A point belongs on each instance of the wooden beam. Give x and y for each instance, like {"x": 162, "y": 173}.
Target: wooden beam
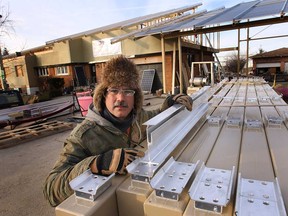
{"x": 228, "y": 49}
{"x": 247, "y": 52}
{"x": 180, "y": 64}
{"x": 163, "y": 63}
{"x": 174, "y": 67}
{"x": 238, "y": 56}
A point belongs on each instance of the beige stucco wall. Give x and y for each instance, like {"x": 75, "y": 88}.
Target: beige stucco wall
{"x": 82, "y": 49}
{"x": 12, "y": 79}
{"x": 60, "y": 54}
{"x": 32, "y": 78}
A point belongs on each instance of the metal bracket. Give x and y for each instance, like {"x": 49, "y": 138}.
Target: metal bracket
{"x": 227, "y": 99}
{"x": 259, "y": 198}
{"x": 217, "y": 98}
{"x": 251, "y": 100}
{"x": 239, "y": 99}
{"x": 211, "y": 189}
{"x": 233, "y": 121}
{"x": 215, "y": 120}
{"x": 276, "y": 97}
{"x": 273, "y": 121}
{"x": 172, "y": 178}
{"x": 253, "y": 124}
{"x": 264, "y": 99}
{"x": 90, "y": 186}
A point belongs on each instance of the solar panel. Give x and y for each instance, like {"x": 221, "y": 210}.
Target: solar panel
{"x": 147, "y": 79}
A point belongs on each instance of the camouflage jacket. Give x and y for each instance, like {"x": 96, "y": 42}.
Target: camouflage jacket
{"x": 95, "y": 135}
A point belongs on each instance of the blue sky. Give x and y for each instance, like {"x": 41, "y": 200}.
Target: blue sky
{"x": 38, "y": 21}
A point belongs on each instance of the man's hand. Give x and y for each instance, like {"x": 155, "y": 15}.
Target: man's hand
{"x": 115, "y": 161}
{"x": 183, "y": 99}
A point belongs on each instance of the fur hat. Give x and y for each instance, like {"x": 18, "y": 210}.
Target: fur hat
{"x": 118, "y": 72}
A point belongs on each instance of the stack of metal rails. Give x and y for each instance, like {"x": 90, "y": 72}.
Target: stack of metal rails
{"x": 226, "y": 157}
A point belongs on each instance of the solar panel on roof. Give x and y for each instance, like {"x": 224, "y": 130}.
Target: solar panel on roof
{"x": 147, "y": 79}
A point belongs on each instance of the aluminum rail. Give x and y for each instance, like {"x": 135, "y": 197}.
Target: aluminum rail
{"x": 163, "y": 141}
{"x": 197, "y": 98}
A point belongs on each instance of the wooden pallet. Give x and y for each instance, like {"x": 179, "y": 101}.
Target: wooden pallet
{"x": 21, "y": 135}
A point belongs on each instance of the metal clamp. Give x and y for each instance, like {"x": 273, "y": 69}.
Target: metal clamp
{"x": 264, "y": 99}
{"x": 211, "y": 189}
{"x": 214, "y": 120}
{"x": 227, "y": 99}
{"x": 253, "y": 124}
{"x": 273, "y": 121}
{"x": 276, "y": 97}
{"x": 259, "y": 198}
{"x": 172, "y": 178}
{"x": 90, "y": 186}
{"x": 233, "y": 121}
{"x": 239, "y": 99}
{"x": 251, "y": 100}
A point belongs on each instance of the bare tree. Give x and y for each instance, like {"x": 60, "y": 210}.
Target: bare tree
{"x": 6, "y": 24}
{"x": 232, "y": 63}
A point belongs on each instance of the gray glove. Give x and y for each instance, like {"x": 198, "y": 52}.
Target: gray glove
{"x": 183, "y": 99}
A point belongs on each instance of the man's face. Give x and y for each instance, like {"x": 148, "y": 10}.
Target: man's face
{"x": 119, "y": 101}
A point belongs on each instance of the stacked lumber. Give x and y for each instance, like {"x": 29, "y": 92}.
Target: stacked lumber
{"x": 21, "y": 135}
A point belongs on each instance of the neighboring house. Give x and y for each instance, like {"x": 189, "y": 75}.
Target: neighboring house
{"x": 80, "y": 58}
{"x": 269, "y": 64}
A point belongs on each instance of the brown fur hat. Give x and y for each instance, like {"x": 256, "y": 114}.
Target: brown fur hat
{"x": 119, "y": 72}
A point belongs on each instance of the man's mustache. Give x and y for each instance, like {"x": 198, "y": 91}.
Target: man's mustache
{"x": 120, "y": 103}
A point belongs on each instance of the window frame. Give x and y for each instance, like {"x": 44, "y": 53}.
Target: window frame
{"x": 61, "y": 70}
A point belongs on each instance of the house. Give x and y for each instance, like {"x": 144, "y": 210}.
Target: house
{"x": 166, "y": 43}
{"x": 271, "y": 64}
{"x": 79, "y": 59}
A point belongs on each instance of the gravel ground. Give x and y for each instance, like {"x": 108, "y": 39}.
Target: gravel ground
{"x": 24, "y": 168}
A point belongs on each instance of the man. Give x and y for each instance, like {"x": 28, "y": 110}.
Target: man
{"x": 105, "y": 140}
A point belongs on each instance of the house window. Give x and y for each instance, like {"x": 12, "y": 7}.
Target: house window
{"x": 42, "y": 72}
{"x": 62, "y": 70}
{"x": 19, "y": 70}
